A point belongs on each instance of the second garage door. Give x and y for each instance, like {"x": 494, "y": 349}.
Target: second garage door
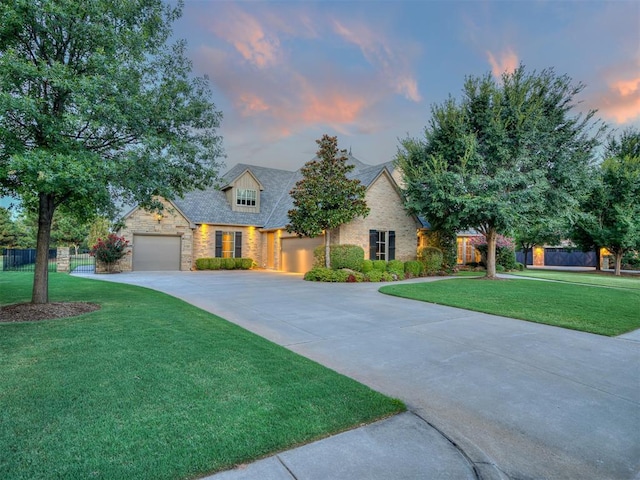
{"x": 297, "y": 253}
{"x": 156, "y": 252}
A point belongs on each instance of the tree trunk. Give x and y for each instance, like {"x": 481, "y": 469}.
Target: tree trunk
{"x": 491, "y": 237}
{"x": 526, "y": 255}
{"x": 618, "y": 263}
{"x": 46, "y": 207}
{"x": 598, "y": 259}
{"x": 327, "y": 249}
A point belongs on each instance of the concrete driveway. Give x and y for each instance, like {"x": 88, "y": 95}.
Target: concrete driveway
{"x": 541, "y": 402}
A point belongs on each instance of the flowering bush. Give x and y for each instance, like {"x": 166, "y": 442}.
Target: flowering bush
{"x": 109, "y": 250}
{"x": 501, "y": 241}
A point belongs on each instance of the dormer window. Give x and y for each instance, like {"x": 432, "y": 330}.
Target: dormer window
{"x": 246, "y": 197}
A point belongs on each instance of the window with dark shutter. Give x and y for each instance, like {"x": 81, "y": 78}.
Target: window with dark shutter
{"x": 373, "y": 244}
{"x": 238, "y": 245}
{"x": 218, "y": 249}
{"x": 391, "y": 245}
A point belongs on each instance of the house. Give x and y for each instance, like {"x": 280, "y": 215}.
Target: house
{"x": 247, "y": 216}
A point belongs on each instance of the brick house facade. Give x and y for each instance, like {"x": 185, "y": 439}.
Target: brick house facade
{"x": 247, "y": 218}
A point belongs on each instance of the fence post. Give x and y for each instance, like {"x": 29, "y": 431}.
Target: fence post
{"x": 62, "y": 260}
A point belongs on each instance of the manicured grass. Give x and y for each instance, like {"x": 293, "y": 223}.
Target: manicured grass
{"x": 150, "y": 387}
{"x": 601, "y": 310}
{"x": 601, "y": 279}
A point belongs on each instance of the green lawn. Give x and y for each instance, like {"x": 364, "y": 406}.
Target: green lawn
{"x": 595, "y": 309}
{"x": 150, "y": 387}
{"x": 601, "y": 279}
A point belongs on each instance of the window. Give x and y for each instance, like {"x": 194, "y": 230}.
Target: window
{"x": 228, "y": 244}
{"x": 246, "y": 197}
{"x": 382, "y": 245}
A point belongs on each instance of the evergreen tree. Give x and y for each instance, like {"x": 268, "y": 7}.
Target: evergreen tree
{"x": 325, "y": 197}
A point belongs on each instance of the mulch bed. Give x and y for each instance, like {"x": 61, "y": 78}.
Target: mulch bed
{"x": 31, "y": 312}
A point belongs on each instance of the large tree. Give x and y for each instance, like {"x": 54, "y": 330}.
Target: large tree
{"x": 611, "y": 211}
{"x": 325, "y": 197}
{"x": 97, "y": 107}
{"x": 502, "y": 156}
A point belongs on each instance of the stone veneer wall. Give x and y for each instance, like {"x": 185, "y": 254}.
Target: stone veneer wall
{"x": 386, "y": 213}
{"x": 204, "y": 241}
{"x": 172, "y": 222}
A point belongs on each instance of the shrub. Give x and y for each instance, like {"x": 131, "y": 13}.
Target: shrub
{"x": 211, "y": 263}
{"x": 500, "y": 268}
{"x": 380, "y": 265}
{"x": 202, "y": 264}
{"x": 395, "y": 266}
{"x": 506, "y": 257}
{"x": 630, "y": 260}
{"x": 413, "y": 267}
{"x": 374, "y": 275}
{"x": 318, "y": 256}
{"x": 520, "y": 266}
{"x": 246, "y": 263}
{"x": 431, "y": 258}
{"x": 346, "y": 256}
{"x": 354, "y": 277}
{"x": 387, "y": 277}
{"x": 322, "y": 274}
{"x": 367, "y": 266}
{"x": 342, "y": 256}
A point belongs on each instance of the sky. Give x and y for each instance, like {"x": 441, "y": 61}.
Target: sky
{"x": 285, "y": 73}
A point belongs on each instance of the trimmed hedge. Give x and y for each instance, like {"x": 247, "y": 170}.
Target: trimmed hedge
{"x": 224, "y": 263}
{"x": 413, "y": 268}
{"x": 322, "y": 274}
{"x": 342, "y": 256}
{"x": 367, "y": 266}
{"x": 380, "y": 265}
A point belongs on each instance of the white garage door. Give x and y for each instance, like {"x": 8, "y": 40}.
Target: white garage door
{"x": 156, "y": 252}
{"x": 297, "y": 253}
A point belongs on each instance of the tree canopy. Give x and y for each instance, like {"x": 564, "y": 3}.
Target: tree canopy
{"x": 611, "y": 211}
{"x": 96, "y": 108}
{"x": 500, "y": 157}
{"x": 325, "y": 197}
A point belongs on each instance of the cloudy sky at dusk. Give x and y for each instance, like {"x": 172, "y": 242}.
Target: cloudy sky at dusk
{"x": 284, "y": 73}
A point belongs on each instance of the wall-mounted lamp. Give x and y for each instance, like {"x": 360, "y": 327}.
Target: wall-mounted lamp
{"x": 159, "y": 217}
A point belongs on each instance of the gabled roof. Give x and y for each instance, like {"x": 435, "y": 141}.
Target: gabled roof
{"x": 211, "y": 206}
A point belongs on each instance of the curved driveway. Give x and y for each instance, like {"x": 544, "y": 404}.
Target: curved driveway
{"x": 541, "y": 402}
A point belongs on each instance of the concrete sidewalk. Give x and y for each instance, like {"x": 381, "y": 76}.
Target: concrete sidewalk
{"x": 489, "y": 397}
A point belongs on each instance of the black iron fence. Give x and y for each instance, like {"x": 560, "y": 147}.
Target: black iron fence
{"x": 24, "y": 260}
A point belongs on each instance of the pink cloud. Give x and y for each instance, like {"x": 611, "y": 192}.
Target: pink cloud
{"x": 506, "y": 63}
{"x": 248, "y": 36}
{"x": 622, "y": 101}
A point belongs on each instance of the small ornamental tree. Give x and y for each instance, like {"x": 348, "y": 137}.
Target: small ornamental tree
{"x": 110, "y": 250}
{"x": 325, "y": 198}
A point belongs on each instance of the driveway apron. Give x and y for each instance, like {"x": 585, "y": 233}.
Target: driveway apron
{"x": 541, "y": 402}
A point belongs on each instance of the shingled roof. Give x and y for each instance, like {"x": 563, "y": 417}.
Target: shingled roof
{"x": 211, "y": 206}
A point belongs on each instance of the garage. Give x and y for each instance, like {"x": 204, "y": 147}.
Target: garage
{"x": 297, "y": 253}
{"x": 156, "y": 252}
